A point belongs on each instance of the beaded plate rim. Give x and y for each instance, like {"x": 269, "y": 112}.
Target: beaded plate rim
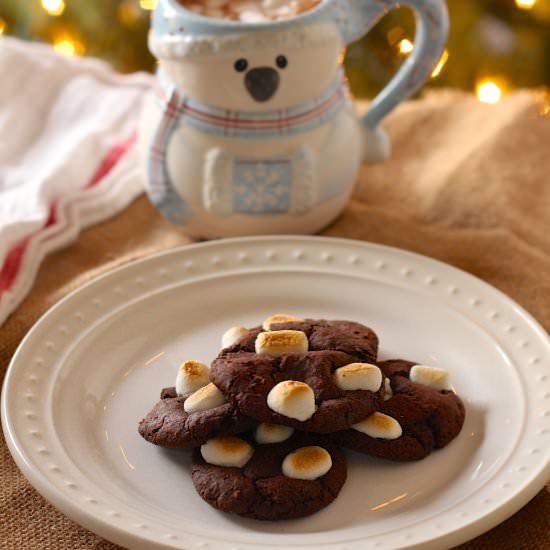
{"x": 44, "y": 464}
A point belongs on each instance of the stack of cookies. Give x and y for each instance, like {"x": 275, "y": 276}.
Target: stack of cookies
{"x": 269, "y": 418}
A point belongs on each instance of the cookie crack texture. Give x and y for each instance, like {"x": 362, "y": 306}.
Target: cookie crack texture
{"x": 261, "y": 491}
{"x": 246, "y": 378}
{"x": 168, "y": 425}
{"x": 430, "y": 418}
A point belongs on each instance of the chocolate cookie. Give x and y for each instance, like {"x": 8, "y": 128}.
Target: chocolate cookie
{"x": 296, "y": 389}
{"x": 169, "y": 425}
{"x": 420, "y": 414}
{"x": 281, "y": 373}
{"x": 287, "y": 480}
{"x": 348, "y": 337}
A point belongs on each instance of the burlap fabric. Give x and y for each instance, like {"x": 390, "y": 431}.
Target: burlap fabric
{"x": 468, "y": 184}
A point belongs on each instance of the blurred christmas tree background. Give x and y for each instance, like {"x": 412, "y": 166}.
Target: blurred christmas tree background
{"x": 495, "y": 46}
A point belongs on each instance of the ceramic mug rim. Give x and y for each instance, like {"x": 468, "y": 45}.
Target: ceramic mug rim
{"x": 218, "y": 22}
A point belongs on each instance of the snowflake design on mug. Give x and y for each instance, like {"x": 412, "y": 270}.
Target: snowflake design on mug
{"x": 261, "y": 187}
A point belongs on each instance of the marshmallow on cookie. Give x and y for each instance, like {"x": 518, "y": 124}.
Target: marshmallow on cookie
{"x": 191, "y": 376}
{"x": 267, "y": 433}
{"x": 204, "y": 399}
{"x": 228, "y": 451}
{"x": 433, "y": 377}
{"x": 232, "y": 336}
{"x": 358, "y": 376}
{"x": 280, "y": 318}
{"x": 388, "y": 392}
{"x": 278, "y": 342}
{"x": 379, "y": 426}
{"x": 292, "y": 399}
{"x": 307, "y": 463}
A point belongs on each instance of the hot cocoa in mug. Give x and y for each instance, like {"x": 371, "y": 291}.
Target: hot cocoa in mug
{"x": 249, "y": 11}
{"x": 251, "y": 129}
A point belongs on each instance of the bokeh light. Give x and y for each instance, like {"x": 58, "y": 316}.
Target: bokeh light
{"x": 148, "y": 4}
{"x": 526, "y": 4}
{"x": 488, "y": 91}
{"x": 441, "y": 63}
{"x": 53, "y": 7}
{"x": 65, "y": 45}
{"x": 406, "y": 46}
{"x": 508, "y": 38}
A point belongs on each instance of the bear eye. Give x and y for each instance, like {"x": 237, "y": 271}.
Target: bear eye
{"x": 281, "y": 61}
{"x": 241, "y": 65}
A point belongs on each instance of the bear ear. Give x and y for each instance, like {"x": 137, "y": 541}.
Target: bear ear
{"x": 165, "y": 16}
{"x": 355, "y": 17}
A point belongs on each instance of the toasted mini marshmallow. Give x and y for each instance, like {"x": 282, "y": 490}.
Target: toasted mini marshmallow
{"x": 280, "y": 318}
{"x": 433, "y": 377}
{"x": 232, "y": 335}
{"x": 307, "y": 463}
{"x": 292, "y": 399}
{"x": 203, "y": 399}
{"x": 272, "y": 433}
{"x": 358, "y": 376}
{"x": 231, "y": 452}
{"x": 191, "y": 376}
{"x": 278, "y": 342}
{"x": 380, "y": 426}
{"x": 388, "y": 392}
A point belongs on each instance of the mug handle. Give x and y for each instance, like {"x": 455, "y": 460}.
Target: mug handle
{"x": 432, "y": 28}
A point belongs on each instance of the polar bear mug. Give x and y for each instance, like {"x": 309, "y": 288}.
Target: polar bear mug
{"x": 251, "y": 129}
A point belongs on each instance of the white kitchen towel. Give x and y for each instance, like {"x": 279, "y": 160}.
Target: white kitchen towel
{"x": 67, "y": 154}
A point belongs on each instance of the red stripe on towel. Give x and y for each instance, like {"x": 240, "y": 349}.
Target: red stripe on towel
{"x": 14, "y": 258}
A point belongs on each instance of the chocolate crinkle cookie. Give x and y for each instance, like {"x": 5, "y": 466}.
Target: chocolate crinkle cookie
{"x": 192, "y": 412}
{"x": 268, "y": 419}
{"x": 420, "y": 413}
{"x": 287, "y": 479}
{"x": 349, "y": 337}
{"x": 316, "y": 376}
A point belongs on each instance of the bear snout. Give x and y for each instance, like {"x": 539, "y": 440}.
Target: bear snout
{"x": 262, "y": 83}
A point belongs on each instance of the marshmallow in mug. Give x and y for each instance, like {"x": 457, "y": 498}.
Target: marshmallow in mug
{"x": 249, "y": 11}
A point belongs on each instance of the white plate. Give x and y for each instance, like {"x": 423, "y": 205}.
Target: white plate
{"x": 94, "y": 365}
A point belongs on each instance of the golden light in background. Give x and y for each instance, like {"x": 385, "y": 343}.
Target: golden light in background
{"x": 148, "y": 4}
{"x": 3, "y": 26}
{"x": 128, "y": 13}
{"x": 66, "y": 45}
{"x": 53, "y": 7}
{"x": 488, "y": 91}
{"x": 406, "y": 46}
{"x": 525, "y": 4}
{"x": 442, "y": 60}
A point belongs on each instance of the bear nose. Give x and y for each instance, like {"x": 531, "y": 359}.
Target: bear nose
{"x": 262, "y": 82}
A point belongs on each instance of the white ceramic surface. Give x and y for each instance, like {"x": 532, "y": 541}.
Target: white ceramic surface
{"x": 94, "y": 365}
{"x": 252, "y": 131}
